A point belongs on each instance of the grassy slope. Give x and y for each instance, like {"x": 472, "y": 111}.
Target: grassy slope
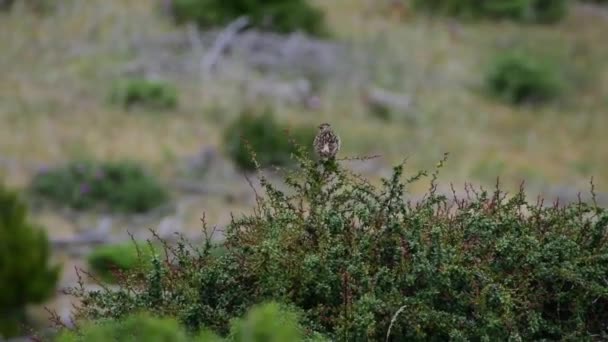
{"x": 55, "y": 73}
{"x": 557, "y": 144}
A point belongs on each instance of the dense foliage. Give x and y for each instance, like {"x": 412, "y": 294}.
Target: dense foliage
{"x": 275, "y": 15}
{"x": 137, "y": 327}
{"x": 266, "y": 136}
{"x": 117, "y": 186}
{"x": 110, "y": 260}
{"x": 520, "y": 77}
{"x": 362, "y": 263}
{"x": 25, "y": 274}
{"x": 144, "y": 93}
{"x": 521, "y": 10}
{"x": 269, "y": 322}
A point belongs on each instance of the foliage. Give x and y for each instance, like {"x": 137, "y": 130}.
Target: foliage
{"x": 355, "y": 258}
{"x": 119, "y": 186}
{"x": 137, "y": 327}
{"x": 519, "y": 78}
{"x": 25, "y": 274}
{"x": 144, "y": 93}
{"x": 521, "y": 10}
{"x": 268, "y": 322}
{"x": 276, "y": 15}
{"x": 108, "y": 260}
{"x": 266, "y": 136}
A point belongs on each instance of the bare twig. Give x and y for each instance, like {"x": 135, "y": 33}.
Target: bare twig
{"x": 257, "y": 196}
{"x": 393, "y": 320}
{"x": 359, "y": 158}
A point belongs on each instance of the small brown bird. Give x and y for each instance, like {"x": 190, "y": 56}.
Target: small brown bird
{"x": 326, "y": 143}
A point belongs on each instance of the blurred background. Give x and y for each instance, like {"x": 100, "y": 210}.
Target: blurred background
{"x": 121, "y": 116}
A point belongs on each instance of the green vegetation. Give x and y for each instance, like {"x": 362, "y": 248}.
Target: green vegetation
{"x": 519, "y": 77}
{"x": 266, "y": 136}
{"x": 137, "y": 327}
{"x": 275, "y": 15}
{"x": 268, "y": 322}
{"x": 25, "y": 274}
{"x": 521, "y": 10}
{"x": 355, "y": 259}
{"x": 116, "y": 186}
{"x": 106, "y": 261}
{"x": 144, "y": 93}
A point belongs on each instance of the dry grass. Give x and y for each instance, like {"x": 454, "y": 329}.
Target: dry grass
{"x": 55, "y": 73}
{"x": 443, "y": 65}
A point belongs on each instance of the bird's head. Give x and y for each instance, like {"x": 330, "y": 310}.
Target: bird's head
{"x": 324, "y": 126}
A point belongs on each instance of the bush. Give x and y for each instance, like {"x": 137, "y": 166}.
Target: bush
{"x": 356, "y": 259}
{"x": 268, "y": 322}
{"x": 143, "y": 93}
{"x": 521, "y": 10}
{"x": 117, "y": 186}
{"x": 266, "y": 137}
{"x": 137, "y": 327}
{"x": 522, "y": 78}
{"x": 276, "y": 15}
{"x": 107, "y": 261}
{"x": 25, "y": 274}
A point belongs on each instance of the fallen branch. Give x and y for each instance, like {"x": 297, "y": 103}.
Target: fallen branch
{"x": 223, "y": 40}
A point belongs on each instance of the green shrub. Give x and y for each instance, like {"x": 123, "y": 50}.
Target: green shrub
{"x": 275, "y": 15}
{"x": 266, "y": 137}
{"x": 268, "y": 322}
{"x": 25, "y": 274}
{"x": 117, "y": 186}
{"x": 521, "y": 10}
{"x": 106, "y": 261}
{"x": 137, "y": 327}
{"x": 144, "y": 93}
{"x": 355, "y": 258}
{"x": 522, "y": 78}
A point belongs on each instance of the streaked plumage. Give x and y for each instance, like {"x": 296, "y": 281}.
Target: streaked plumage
{"x": 326, "y": 143}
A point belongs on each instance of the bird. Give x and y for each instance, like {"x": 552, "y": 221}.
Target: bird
{"x": 327, "y": 142}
